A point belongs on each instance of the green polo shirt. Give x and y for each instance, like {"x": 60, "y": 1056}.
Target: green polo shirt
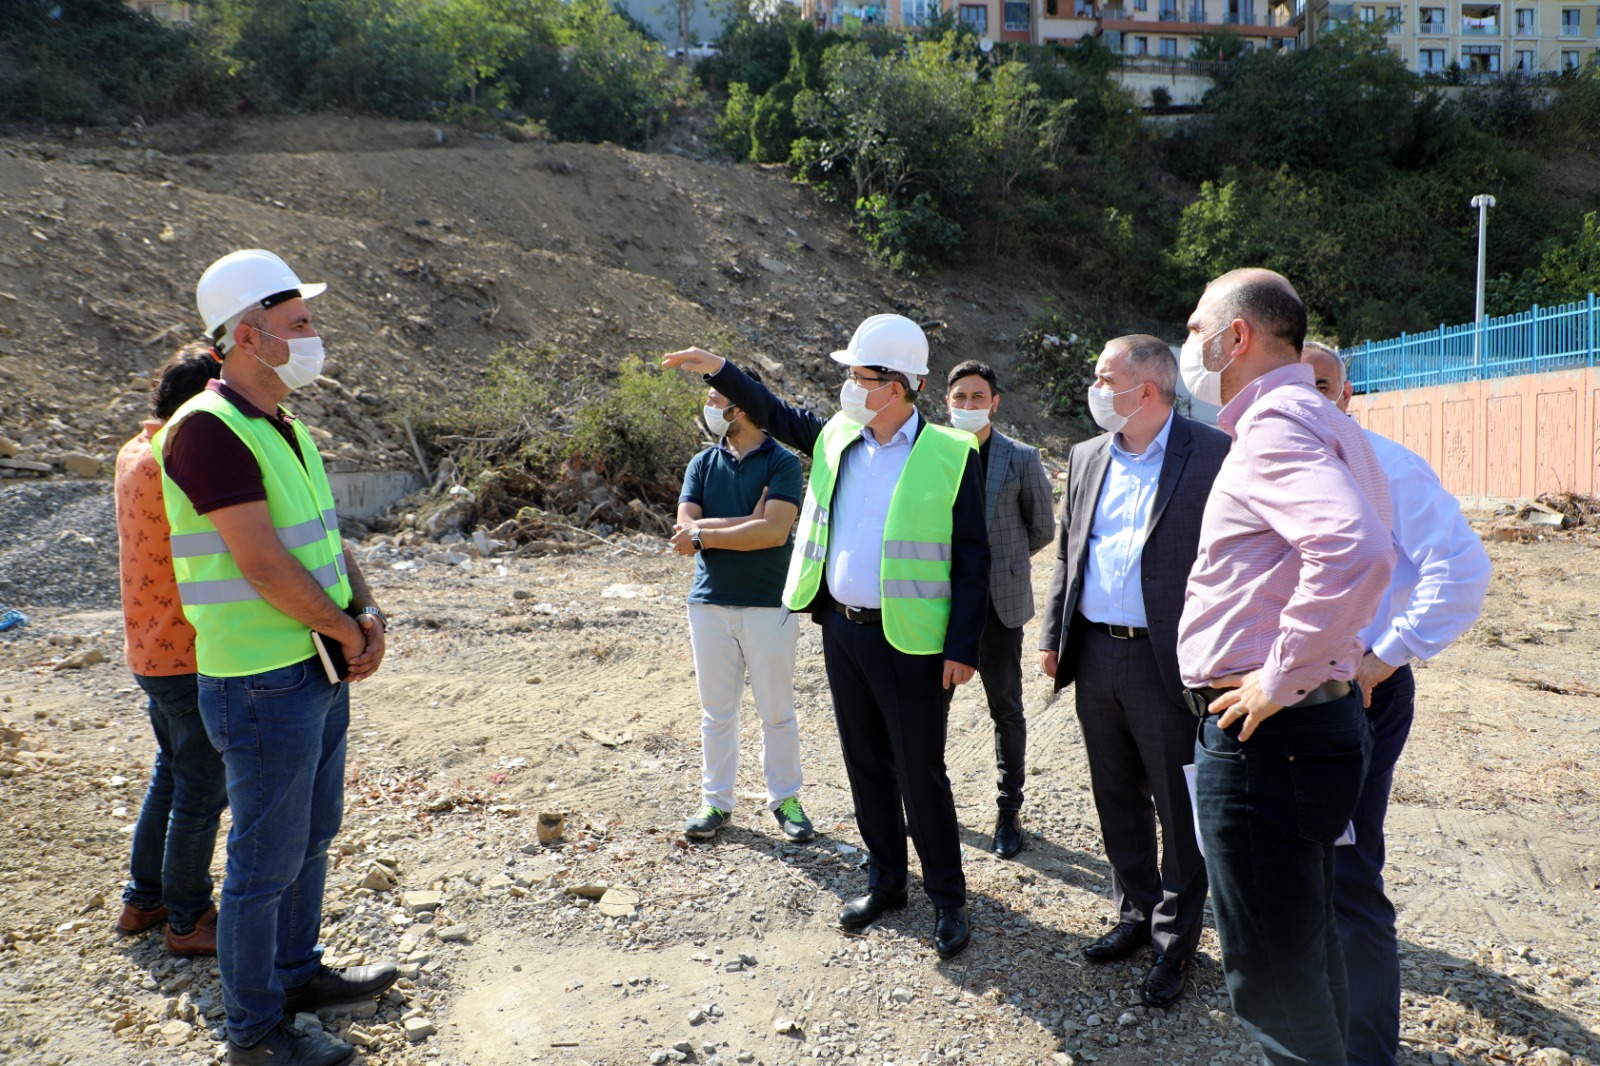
{"x": 725, "y": 486}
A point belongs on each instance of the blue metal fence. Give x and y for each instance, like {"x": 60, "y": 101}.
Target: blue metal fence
{"x": 1532, "y": 342}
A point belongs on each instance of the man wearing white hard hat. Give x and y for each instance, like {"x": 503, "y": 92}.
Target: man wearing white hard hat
{"x": 892, "y": 561}
{"x": 263, "y": 577}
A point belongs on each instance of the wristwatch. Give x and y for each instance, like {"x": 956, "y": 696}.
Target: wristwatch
{"x": 383, "y": 620}
{"x": 694, "y": 538}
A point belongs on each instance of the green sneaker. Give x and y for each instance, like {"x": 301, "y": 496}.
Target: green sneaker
{"x": 796, "y": 826}
{"x": 705, "y": 822}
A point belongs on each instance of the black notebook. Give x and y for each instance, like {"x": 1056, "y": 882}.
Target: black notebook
{"x": 331, "y": 652}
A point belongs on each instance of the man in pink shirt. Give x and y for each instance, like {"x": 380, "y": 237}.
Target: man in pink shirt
{"x": 1295, "y": 554}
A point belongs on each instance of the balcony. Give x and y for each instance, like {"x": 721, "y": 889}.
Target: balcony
{"x": 1436, "y": 28}
{"x": 1481, "y": 20}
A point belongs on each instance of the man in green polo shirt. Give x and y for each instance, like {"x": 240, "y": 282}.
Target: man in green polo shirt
{"x": 736, "y": 517}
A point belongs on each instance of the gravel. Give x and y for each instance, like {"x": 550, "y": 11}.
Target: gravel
{"x": 58, "y": 545}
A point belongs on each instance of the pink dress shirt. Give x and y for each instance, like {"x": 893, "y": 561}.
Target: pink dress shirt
{"x": 1295, "y": 546}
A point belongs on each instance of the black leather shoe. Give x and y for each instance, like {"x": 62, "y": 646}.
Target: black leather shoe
{"x": 864, "y": 910}
{"x": 1165, "y": 982}
{"x": 350, "y": 984}
{"x": 287, "y": 1046}
{"x": 951, "y": 931}
{"x": 1121, "y": 942}
{"x": 1007, "y": 835}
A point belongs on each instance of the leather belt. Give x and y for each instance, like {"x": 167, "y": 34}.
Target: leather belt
{"x": 861, "y": 616}
{"x": 1120, "y": 632}
{"x": 1199, "y": 700}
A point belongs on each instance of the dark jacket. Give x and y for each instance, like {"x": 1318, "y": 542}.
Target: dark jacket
{"x": 1194, "y": 455}
{"x": 969, "y": 539}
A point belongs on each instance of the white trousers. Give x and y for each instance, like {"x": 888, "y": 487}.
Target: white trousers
{"x": 726, "y": 641}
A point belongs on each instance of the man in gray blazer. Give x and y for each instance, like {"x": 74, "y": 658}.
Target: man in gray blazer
{"x": 1021, "y": 518}
{"x": 1130, "y": 530}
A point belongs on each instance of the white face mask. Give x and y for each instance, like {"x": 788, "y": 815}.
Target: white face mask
{"x": 305, "y": 360}
{"x": 1204, "y": 385}
{"x": 716, "y": 421}
{"x": 853, "y": 402}
{"x": 1103, "y": 408}
{"x": 971, "y": 419}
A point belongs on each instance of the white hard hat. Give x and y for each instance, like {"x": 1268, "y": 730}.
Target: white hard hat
{"x": 245, "y": 279}
{"x": 893, "y": 342}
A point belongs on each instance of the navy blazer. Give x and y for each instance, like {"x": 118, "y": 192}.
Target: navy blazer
{"x": 1194, "y": 455}
{"x": 969, "y": 538}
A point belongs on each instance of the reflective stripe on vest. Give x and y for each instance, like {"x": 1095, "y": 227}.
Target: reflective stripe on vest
{"x": 915, "y": 567}
{"x": 237, "y": 633}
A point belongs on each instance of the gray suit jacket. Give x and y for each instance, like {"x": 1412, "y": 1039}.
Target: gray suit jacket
{"x": 1021, "y": 515}
{"x": 1194, "y": 454}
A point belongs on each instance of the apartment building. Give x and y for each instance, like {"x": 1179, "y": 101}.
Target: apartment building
{"x": 161, "y": 9}
{"x": 1160, "y": 29}
{"x": 1486, "y": 39}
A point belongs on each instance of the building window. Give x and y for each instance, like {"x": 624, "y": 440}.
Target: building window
{"x": 1432, "y": 20}
{"x": 1525, "y": 62}
{"x": 1569, "y": 22}
{"x": 1169, "y": 48}
{"x": 1368, "y": 14}
{"x": 1527, "y": 22}
{"x": 918, "y": 12}
{"x": 1141, "y": 5}
{"x": 1017, "y": 16}
{"x": 1392, "y": 16}
{"x": 1169, "y": 10}
{"x": 976, "y": 17}
{"x": 1481, "y": 58}
{"x": 1141, "y": 46}
{"x": 1569, "y": 61}
{"x": 1431, "y": 60}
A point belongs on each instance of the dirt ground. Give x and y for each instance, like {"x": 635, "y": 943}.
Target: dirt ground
{"x": 565, "y": 685}
{"x": 520, "y": 686}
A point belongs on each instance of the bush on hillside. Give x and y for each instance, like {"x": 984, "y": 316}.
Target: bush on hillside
{"x": 1058, "y": 359}
{"x": 97, "y": 59}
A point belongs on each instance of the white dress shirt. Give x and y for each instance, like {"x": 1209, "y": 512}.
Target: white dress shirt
{"x": 1441, "y": 571}
{"x": 867, "y": 479}
{"x": 1113, "y": 586}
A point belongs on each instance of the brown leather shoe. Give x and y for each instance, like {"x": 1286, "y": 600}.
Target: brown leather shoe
{"x": 135, "y": 920}
{"x": 201, "y": 940}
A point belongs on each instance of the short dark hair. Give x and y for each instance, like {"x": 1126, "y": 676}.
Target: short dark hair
{"x": 182, "y": 377}
{"x": 896, "y": 376}
{"x": 1150, "y": 359}
{"x": 972, "y": 368}
{"x": 1270, "y": 304}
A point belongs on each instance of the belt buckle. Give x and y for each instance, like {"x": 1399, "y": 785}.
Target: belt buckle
{"x": 858, "y": 615}
{"x": 1119, "y": 632}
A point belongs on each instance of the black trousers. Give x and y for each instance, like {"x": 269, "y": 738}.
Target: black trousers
{"x": 1000, "y": 665}
{"x": 892, "y": 713}
{"x": 1138, "y": 736}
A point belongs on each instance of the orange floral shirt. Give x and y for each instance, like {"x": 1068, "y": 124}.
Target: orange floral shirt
{"x": 159, "y": 640}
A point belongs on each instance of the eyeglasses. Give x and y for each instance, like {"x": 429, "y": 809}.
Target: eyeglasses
{"x": 862, "y": 379}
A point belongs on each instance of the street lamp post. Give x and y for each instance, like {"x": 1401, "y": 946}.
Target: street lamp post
{"x": 1482, "y": 202}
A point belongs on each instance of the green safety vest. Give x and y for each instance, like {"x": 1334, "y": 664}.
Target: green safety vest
{"x": 237, "y": 633}
{"x": 914, "y": 575}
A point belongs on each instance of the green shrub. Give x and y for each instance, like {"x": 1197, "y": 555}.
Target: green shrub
{"x": 643, "y": 426}
{"x": 907, "y": 238}
{"x": 1058, "y": 357}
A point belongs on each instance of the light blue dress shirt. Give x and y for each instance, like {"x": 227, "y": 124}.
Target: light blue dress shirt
{"x": 860, "y": 510}
{"x": 1441, "y": 571}
{"x": 1113, "y": 590}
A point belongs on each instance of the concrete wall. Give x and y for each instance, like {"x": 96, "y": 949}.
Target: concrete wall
{"x": 1492, "y": 441}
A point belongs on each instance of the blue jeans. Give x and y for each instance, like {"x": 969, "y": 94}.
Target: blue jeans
{"x": 282, "y": 738}
{"x": 1270, "y": 809}
{"x": 1365, "y": 915}
{"x": 176, "y": 834}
